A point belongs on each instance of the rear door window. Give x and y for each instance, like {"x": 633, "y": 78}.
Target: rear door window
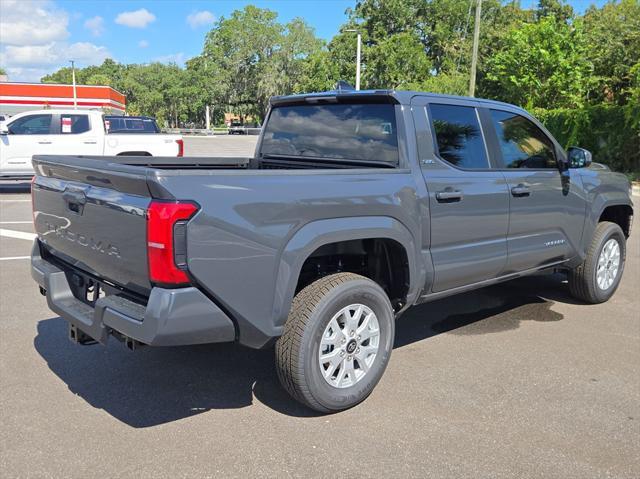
{"x": 74, "y": 124}
{"x": 357, "y": 132}
{"x": 458, "y": 137}
{"x": 123, "y": 124}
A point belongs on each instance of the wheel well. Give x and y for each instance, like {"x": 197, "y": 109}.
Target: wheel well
{"x": 134, "y": 153}
{"x": 379, "y": 259}
{"x": 619, "y": 214}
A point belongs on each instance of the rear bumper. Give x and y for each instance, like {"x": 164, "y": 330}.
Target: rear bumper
{"x": 172, "y": 317}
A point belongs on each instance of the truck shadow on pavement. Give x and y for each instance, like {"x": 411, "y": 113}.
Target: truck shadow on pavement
{"x": 504, "y": 306}
{"x": 159, "y": 385}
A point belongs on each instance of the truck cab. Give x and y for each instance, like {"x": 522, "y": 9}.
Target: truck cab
{"x": 79, "y": 132}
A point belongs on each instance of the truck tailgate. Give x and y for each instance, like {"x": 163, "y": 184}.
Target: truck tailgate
{"x": 94, "y": 218}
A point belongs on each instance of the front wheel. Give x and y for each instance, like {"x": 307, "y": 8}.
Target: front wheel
{"x": 597, "y": 278}
{"x": 336, "y": 343}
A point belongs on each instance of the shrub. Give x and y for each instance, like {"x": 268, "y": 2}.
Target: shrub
{"x": 610, "y": 132}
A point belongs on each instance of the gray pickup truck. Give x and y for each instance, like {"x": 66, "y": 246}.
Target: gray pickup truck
{"x": 355, "y": 207}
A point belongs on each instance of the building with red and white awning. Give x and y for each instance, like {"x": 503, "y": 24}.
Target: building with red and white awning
{"x": 18, "y": 97}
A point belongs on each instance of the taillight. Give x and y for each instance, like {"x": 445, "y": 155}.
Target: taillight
{"x": 166, "y": 221}
{"x": 180, "y": 143}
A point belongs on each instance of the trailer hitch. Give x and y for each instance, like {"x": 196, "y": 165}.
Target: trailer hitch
{"x": 78, "y": 336}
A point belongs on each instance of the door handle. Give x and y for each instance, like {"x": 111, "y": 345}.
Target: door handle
{"x": 90, "y": 142}
{"x": 520, "y": 191}
{"x": 44, "y": 142}
{"x": 75, "y": 197}
{"x": 449, "y": 196}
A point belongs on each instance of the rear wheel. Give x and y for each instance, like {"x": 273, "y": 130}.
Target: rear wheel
{"x": 598, "y": 277}
{"x": 336, "y": 343}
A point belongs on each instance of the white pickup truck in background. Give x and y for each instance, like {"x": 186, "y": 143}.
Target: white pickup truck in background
{"x": 72, "y": 132}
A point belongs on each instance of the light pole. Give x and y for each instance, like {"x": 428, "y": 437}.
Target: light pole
{"x": 73, "y": 76}
{"x": 358, "y": 53}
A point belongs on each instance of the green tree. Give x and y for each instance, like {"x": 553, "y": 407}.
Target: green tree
{"x": 632, "y": 109}
{"x": 413, "y": 43}
{"x": 63, "y": 75}
{"x": 318, "y": 73}
{"x": 398, "y": 61}
{"x": 557, "y": 9}
{"x": 99, "y": 79}
{"x": 612, "y": 34}
{"x": 286, "y": 64}
{"x": 255, "y": 57}
{"x": 542, "y": 64}
{"x": 236, "y": 48}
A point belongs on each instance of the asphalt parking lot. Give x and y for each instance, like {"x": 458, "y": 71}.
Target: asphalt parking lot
{"x": 227, "y": 145}
{"x": 516, "y": 380}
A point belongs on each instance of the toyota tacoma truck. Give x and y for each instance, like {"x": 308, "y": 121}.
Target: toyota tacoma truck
{"x": 80, "y": 132}
{"x": 354, "y": 207}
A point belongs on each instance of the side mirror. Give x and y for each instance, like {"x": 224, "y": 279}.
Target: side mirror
{"x": 4, "y": 130}
{"x": 578, "y": 157}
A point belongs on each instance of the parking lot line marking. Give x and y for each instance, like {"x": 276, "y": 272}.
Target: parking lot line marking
{"x": 15, "y": 201}
{"x": 14, "y": 257}
{"x": 17, "y": 234}
{"x": 15, "y": 222}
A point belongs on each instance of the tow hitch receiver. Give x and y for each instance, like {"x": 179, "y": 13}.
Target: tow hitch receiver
{"x": 78, "y": 336}
{"x": 132, "y": 344}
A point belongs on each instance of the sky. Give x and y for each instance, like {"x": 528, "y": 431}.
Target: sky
{"x": 40, "y": 36}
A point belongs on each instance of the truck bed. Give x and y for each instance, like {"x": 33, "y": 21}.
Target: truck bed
{"x": 91, "y": 213}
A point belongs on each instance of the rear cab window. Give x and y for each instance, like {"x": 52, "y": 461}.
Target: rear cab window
{"x": 352, "y": 133}
{"x": 123, "y": 124}
{"x": 73, "y": 124}
{"x": 457, "y": 136}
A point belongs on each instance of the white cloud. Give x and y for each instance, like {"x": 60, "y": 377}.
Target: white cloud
{"x": 198, "y": 19}
{"x": 178, "y": 58}
{"x": 136, "y": 19}
{"x": 31, "y": 23}
{"x": 143, "y": 44}
{"x": 26, "y": 74}
{"x": 95, "y": 25}
{"x": 86, "y": 53}
{"x": 33, "y": 40}
{"x": 53, "y": 54}
{"x": 29, "y": 55}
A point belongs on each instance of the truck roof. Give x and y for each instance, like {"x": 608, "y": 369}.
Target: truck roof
{"x": 401, "y": 97}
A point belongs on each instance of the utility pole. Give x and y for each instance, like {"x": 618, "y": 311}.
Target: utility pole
{"x": 474, "y": 57}
{"x": 73, "y": 76}
{"x": 358, "y": 55}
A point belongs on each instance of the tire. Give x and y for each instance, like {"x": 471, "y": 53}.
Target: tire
{"x": 583, "y": 280}
{"x": 335, "y": 299}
